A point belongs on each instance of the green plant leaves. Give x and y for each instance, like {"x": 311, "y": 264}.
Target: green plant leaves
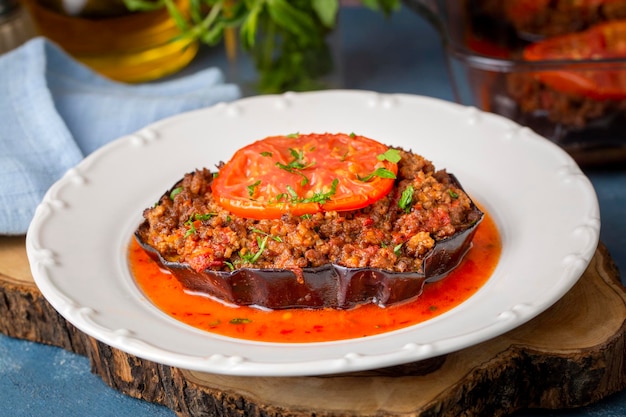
{"x": 292, "y": 19}
{"x": 326, "y": 11}
{"x": 286, "y": 38}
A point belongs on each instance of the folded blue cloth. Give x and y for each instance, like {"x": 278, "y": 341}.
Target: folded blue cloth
{"x": 54, "y": 111}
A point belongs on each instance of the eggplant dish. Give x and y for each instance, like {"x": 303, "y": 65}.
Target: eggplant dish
{"x": 312, "y": 221}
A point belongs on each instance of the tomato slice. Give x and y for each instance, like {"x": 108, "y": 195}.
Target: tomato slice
{"x": 304, "y": 174}
{"x": 603, "y": 41}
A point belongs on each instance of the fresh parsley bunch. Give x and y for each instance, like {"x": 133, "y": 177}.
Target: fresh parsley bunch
{"x": 287, "y": 39}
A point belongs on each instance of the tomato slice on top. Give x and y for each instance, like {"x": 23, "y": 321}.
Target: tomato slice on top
{"x": 304, "y": 174}
{"x": 602, "y": 41}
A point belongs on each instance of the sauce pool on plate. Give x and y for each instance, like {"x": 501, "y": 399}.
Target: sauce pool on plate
{"x": 319, "y": 325}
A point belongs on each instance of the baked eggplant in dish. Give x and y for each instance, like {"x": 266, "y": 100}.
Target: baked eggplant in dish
{"x": 312, "y": 221}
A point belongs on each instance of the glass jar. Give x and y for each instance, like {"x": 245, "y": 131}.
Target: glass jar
{"x": 121, "y": 45}
{"x": 577, "y": 101}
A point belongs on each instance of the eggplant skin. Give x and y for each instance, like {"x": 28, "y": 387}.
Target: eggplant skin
{"x": 327, "y": 286}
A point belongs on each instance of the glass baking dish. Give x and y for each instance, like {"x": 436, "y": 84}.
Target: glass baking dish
{"x": 578, "y": 103}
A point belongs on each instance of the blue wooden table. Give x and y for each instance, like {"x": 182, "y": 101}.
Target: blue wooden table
{"x": 402, "y": 54}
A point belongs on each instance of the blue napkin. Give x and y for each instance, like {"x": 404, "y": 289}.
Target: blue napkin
{"x": 54, "y": 111}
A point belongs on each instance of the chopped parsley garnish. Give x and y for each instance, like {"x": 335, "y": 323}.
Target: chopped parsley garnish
{"x": 240, "y": 320}
{"x": 293, "y": 135}
{"x": 296, "y": 165}
{"x": 406, "y": 199}
{"x": 276, "y": 238}
{"x": 191, "y": 230}
{"x": 379, "y": 172}
{"x": 352, "y": 134}
{"x": 321, "y": 197}
{"x": 205, "y": 216}
{"x": 251, "y": 257}
{"x": 391, "y": 155}
{"x": 397, "y": 249}
{"x": 453, "y": 194}
{"x": 196, "y": 217}
{"x": 252, "y": 187}
{"x": 291, "y": 196}
{"x": 175, "y": 191}
{"x": 267, "y": 154}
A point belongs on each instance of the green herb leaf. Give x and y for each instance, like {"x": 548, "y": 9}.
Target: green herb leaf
{"x": 297, "y": 163}
{"x": 406, "y": 199}
{"x": 281, "y": 196}
{"x": 276, "y": 238}
{"x": 453, "y": 194}
{"x": 205, "y": 216}
{"x": 175, "y": 191}
{"x": 196, "y": 217}
{"x": 397, "y": 249}
{"x": 190, "y": 231}
{"x": 267, "y": 154}
{"x": 318, "y": 197}
{"x": 240, "y": 320}
{"x": 253, "y": 257}
{"x": 201, "y": 217}
{"x": 252, "y": 187}
{"x": 379, "y": 172}
{"x": 292, "y": 193}
{"x": 321, "y": 197}
{"x": 391, "y": 155}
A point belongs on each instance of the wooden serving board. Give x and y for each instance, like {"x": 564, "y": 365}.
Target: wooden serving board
{"x": 571, "y": 355}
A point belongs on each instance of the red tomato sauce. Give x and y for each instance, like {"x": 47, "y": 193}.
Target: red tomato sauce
{"x": 304, "y": 325}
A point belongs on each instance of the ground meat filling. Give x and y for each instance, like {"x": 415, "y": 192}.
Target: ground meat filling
{"x": 534, "y": 97}
{"x": 188, "y": 226}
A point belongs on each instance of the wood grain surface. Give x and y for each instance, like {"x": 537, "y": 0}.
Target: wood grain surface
{"x": 571, "y": 355}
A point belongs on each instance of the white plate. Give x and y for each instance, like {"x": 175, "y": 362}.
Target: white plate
{"x": 545, "y": 208}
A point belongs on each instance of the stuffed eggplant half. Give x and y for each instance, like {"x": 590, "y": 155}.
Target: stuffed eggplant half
{"x": 312, "y": 221}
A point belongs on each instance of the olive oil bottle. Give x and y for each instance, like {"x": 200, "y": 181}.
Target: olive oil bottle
{"x": 121, "y": 45}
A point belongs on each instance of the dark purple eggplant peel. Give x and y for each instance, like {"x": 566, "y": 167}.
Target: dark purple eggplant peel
{"x": 328, "y": 286}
